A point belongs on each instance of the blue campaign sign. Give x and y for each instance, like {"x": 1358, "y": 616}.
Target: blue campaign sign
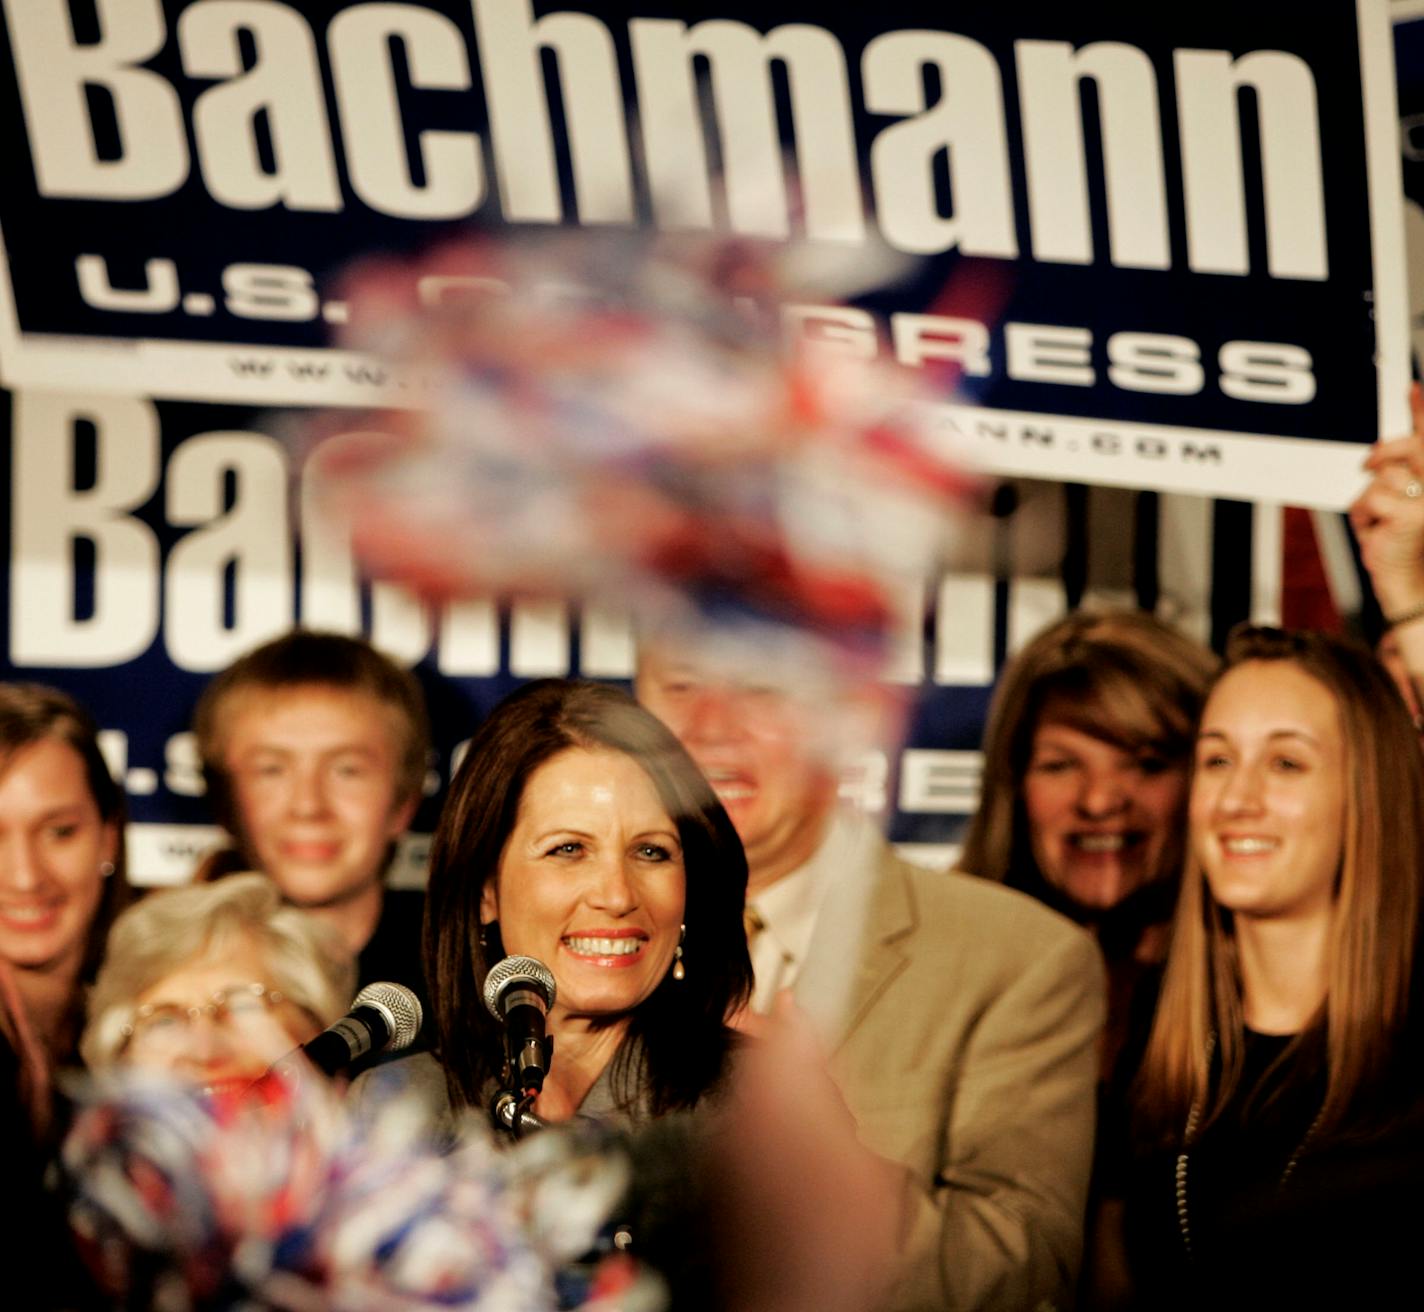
{"x": 1163, "y": 251}
{"x": 154, "y": 542}
{"x": 1164, "y": 248}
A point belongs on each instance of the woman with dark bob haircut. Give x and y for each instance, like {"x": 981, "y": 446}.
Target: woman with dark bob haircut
{"x": 579, "y": 832}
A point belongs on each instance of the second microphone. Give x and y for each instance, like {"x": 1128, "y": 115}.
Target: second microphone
{"x": 519, "y": 991}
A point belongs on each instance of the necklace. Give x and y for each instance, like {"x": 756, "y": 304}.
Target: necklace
{"x": 1184, "y": 1220}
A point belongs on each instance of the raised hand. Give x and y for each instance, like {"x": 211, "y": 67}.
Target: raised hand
{"x": 1388, "y": 518}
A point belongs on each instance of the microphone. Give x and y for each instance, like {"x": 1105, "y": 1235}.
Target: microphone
{"x": 382, "y": 1016}
{"x": 519, "y": 992}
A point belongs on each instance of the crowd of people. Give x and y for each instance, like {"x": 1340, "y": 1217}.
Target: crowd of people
{"x": 1152, "y": 1044}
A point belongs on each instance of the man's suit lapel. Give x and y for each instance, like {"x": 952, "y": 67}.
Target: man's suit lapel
{"x": 880, "y": 905}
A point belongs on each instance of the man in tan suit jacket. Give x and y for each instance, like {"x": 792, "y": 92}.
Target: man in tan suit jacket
{"x": 961, "y": 1018}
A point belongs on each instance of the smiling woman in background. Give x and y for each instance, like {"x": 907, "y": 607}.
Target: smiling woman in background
{"x": 1086, "y": 757}
{"x": 214, "y": 982}
{"x": 1279, "y": 1105}
{"x": 62, "y": 876}
{"x": 61, "y": 883}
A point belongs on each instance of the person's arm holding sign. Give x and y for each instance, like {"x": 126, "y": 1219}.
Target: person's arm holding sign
{"x": 1388, "y": 519}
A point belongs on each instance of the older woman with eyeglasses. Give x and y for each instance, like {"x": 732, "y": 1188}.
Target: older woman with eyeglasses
{"x": 213, "y": 983}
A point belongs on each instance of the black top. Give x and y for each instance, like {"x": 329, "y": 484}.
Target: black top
{"x": 393, "y": 950}
{"x": 42, "y": 1269}
{"x": 1119, "y": 932}
{"x": 393, "y": 954}
{"x": 1275, "y": 1216}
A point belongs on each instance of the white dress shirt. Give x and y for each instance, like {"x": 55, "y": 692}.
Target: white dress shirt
{"x": 789, "y": 908}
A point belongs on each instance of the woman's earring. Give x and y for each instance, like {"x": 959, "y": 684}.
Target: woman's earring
{"x": 678, "y": 970}
{"x": 106, "y": 868}
{"x": 484, "y": 935}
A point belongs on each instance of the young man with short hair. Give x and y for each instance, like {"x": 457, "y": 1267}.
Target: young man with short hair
{"x": 315, "y": 748}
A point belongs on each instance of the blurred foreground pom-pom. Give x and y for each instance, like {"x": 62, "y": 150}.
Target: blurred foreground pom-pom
{"x": 615, "y": 420}
{"x": 276, "y": 1197}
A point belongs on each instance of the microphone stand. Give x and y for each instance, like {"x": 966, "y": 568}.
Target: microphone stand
{"x": 514, "y": 1112}
{"x": 512, "y": 1107}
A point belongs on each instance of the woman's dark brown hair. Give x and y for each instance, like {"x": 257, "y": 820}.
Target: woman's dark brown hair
{"x": 678, "y": 1039}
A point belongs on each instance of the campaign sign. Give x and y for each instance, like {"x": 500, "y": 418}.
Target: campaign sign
{"x": 1163, "y": 248}
{"x": 1409, "y": 80}
{"x": 153, "y": 543}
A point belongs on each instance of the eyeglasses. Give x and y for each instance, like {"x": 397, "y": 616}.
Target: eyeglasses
{"x": 167, "y": 1026}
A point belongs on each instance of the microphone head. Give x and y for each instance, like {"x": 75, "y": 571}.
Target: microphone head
{"x": 517, "y": 970}
{"x": 399, "y": 1008}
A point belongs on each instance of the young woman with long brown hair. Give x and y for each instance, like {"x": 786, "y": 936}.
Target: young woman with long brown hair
{"x": 62, "y": 881}
{"x": 1277, "y": 1107}
{"x": 62, "y": 877}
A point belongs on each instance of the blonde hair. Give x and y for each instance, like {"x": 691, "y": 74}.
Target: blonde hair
{"x": 1121, "y": 676}
{"x": 1371, "y": 944}
{"x": 306, "y": 961}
